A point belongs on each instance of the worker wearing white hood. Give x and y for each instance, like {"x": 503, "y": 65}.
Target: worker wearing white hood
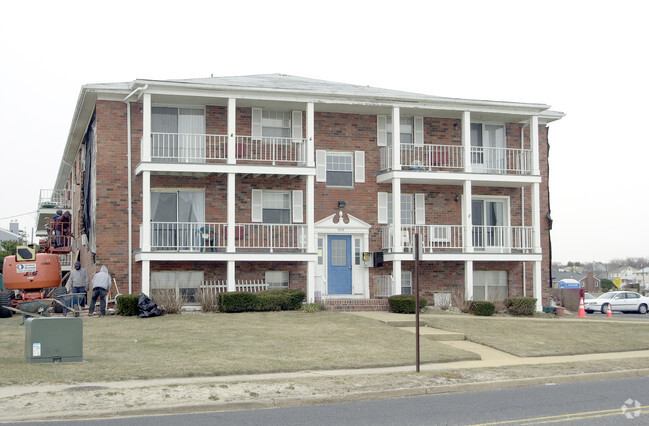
{"x": 100, "y": 287}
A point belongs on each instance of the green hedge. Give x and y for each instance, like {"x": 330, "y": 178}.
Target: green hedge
{"x": 483, "y": 309}
{"x": 127, "y": 304}
{"x": 269, "y": 300}
{"x": 521, "y": 306}
{"x": 405, "y": 303}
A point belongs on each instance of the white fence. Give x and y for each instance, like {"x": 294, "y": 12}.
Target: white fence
{"x": 221, "y": 286}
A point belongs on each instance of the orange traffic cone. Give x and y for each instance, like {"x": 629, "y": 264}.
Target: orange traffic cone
{"x": 582, "y": 311}
{"x": 609, "y": 313}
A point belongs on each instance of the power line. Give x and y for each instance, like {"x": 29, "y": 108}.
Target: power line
{"x": 18, "y": 215}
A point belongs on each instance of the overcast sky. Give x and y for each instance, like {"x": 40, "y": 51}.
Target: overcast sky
{"x": 588, "y": 60}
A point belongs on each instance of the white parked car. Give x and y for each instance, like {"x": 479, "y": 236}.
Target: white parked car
{"x": 623, "y": 301}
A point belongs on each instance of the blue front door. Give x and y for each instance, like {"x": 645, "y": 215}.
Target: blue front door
{"x": 339, "y": 264}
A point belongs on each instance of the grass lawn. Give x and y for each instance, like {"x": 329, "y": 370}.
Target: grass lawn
{"x": 528, "y": 337}
{"x": 198, "y": 344}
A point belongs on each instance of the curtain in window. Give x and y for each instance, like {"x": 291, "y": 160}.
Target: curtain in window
{"x": 164, "y": 140}
{"x": 191, "y": 129}
{"x": 177, "y": 218}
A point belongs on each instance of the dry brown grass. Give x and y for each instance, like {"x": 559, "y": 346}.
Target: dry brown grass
{"x": 200, "y": 344}
{"x": 528, "y": 337}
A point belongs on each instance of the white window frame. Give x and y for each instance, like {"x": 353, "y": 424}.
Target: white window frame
{"x": 406, "y": 282}
{"x": 177, "y": 280}
{"x": 491, "y": 280}
{"x": 407, "y": 215}
{"x": 277, "y": 280}
{"x": 329, "y": 167}
{"x": 265, "y": 203}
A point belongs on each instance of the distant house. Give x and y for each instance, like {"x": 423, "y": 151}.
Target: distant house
{"x": 591, "y": 283}
{"x": 9, "y": 236}
{"x": 642, "y": 278}
{"x": 625, "y": 273}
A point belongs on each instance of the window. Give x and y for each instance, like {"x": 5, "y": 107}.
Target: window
{"x": 276, "y": 207}
{"x": 489, "y": 222}
{"x": 490, "y": 285}
{"x": 176, "y": 217}
{"x": 357, "y": 251}
{"x": 485, "y": 139}
{"x": 406, "y": 132}
{"x": 406, "y": 282}
{"x": 407, "y": 209}
{"x": 177, "y": 134}
{"x": 320, "y": 251}
{"x": 340, "y": 169}
{"x": 185, "y": 283}
{"x": 277, "y": 280}
{"x": 276, "y": 124}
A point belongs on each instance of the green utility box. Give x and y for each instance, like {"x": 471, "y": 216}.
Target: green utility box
{"x": 53, "y": 340}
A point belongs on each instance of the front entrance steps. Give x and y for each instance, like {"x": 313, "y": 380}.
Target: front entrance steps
{"x": 356, "y": 305}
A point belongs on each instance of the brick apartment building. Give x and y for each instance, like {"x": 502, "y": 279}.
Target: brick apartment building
{"x": 301, "y": 183}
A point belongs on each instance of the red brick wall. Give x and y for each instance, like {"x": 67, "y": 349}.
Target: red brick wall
{"x": 334, "y": 132}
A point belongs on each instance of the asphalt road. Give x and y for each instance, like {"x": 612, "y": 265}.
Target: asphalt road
{"x": 609, "y": 402}
{"x": 619, "y": 315}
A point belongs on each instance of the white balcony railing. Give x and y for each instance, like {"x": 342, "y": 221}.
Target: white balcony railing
{"x": 270, "y": 236}
{"x": 201, "y": 148}
{"x": 187, "y": 148}
{"x": 450, "y": 238}
{"x": 210, "y": 237}
{"x": 430, "y": 157}
{"x": 273, "y": 150}
{"x": 503, "y": 237}
{"x": 188, "y": 236}
{"x": 54, "y": 199}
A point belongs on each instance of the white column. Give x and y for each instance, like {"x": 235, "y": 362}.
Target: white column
{"x": 231, "y": 219}
{"x": 232, "y": 284}
{"x": 466, "y": 141}
{"x": 468, "y": 280}
{"x": 310, "y": 214}
{"x": 467, "y": 217}
{"x": 146, "y": 277}
{"x": 146, "y": 211}
{"x": 232, "y": 130}
{"x": 310, "y": 281}
{"x": 536, "y": 218}
{"x": 310, "y": 135}
{"x": 145, "y": 149}
{"x": 396, "y": 275}
{"x": 534, "y": 141}
{"x": 396, "y": 139}
{"x": 536, "y": 285}
{"x": 310, "y": 232}
{"x": 397, "y": 241}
